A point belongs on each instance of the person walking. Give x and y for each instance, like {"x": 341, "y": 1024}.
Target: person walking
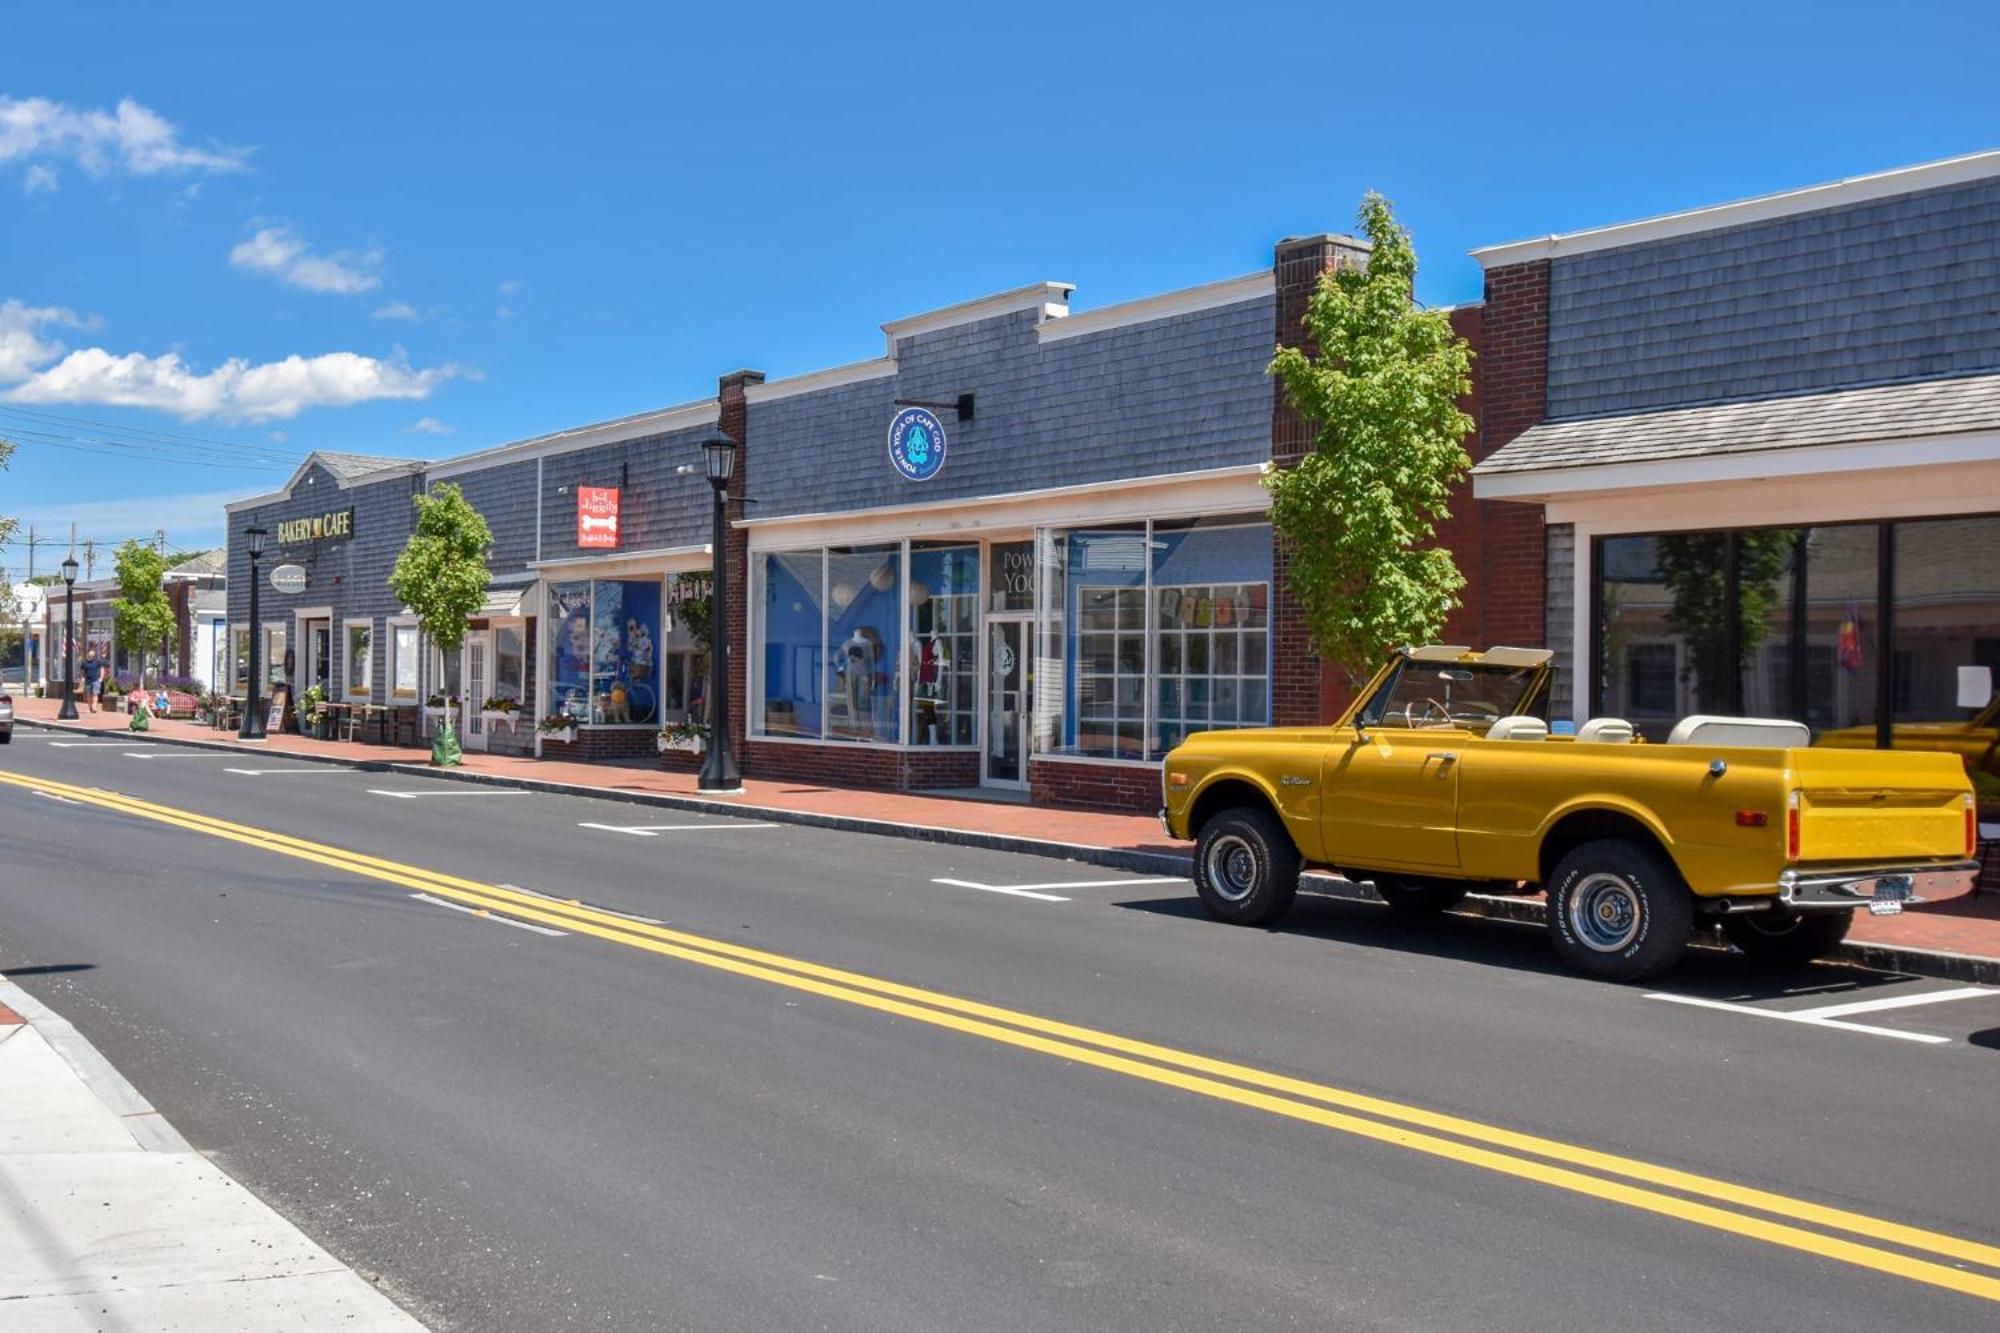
{"x": 93, "y": 677}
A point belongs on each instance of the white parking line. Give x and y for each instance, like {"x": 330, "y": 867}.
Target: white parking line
{"x": 483, "y": 913}
{"x": 89, "y": 745}
{"x": 155, "y": 754}
{"x": 1824, "y": 1016}
{"x": 413, "y": 795}
{"x": 52, "y": 796}
{"x": 654, "y": 830}
{"x": 265, "y": 772}
{"x": 1001, "y": 888}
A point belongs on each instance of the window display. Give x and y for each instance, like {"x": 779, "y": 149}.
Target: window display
{"x": 864, "y": 643}
{"x": 604, "y": 655}
{"x": 944, "y": 652}
{"x": 790, "y": 630}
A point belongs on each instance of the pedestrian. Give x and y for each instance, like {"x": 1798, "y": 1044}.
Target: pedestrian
{"x": 93, "y": 677}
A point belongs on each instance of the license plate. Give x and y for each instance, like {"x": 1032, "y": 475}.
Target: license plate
{"x": 1890, "y": 892}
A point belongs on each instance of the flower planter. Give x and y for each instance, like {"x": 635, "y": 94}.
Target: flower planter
{"x": 691, "y": 745}
{"x": 566, "y": 735}
{"x": 500, "y": 717}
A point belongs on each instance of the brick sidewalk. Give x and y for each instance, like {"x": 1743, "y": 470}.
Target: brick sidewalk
{"x": 1965, "y": 925}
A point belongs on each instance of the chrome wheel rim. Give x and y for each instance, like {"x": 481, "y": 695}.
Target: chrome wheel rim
{"x": 1605, "y": 912}
{"x": 1232, "y": 868}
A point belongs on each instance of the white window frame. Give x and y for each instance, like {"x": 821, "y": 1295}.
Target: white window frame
{"x": 236, "y": 684}
{"x": 394, "y": 658}
{"x": 348, "y": 693}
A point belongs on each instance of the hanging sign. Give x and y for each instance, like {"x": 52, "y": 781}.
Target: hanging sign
{"x": 916, "y": 443}
{"x": 289, "y": 578}
{"x": 597, "y": 517}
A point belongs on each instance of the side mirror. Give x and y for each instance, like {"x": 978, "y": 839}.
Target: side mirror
{"x": 1975, "y": 686}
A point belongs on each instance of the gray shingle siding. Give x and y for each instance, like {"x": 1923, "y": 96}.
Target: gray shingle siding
{"x": 505, "y": 498}
{"x": 1899, "y": 288}
{"x": 656, "y": 509}
{"x": 1172, "y": 395}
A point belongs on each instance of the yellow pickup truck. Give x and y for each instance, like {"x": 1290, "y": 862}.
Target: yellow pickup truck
{"x": 1440, "y": 779}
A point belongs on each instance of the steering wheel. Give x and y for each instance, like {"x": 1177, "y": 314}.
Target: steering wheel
{"x": 1430, "y": 706}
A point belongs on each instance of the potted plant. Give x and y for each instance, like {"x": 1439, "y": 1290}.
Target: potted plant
{"x": 558, "y": 727}
{"x": 501, "y": 711}
{"x": 684, "y": 738}
{"x": 313, "y": 714}
{"x": 440, "y": 707}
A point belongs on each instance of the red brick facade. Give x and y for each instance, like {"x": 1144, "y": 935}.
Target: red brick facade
{"x": 1505, "y": 564}
{"x": 850, "y": 765}
{"x": 1094, "y": 786}
{"x": 734, "y": 421}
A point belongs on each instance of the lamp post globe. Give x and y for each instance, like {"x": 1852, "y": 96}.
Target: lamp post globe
{"x": 68, "y": 710}
{"x": 252, "y": 728}
{"x": 718, "y": 765}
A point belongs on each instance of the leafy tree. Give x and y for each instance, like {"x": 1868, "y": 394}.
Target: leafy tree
{"x": 441, "y": 575}
{"x": 1380, "y": 389}
{"x": 145, "y": 616}
{"x": 7, "y": 525}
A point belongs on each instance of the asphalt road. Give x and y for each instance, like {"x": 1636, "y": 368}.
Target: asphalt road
{"x": 604, "y": 1128}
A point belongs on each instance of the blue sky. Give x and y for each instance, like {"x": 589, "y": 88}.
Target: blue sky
{"x": 421, "y": 230}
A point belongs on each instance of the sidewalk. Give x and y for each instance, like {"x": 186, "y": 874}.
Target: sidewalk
{"x": 1957, "y": 938}
{"x": 109, "y": 1220}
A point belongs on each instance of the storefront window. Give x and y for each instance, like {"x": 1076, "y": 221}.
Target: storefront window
{"x": 1947, "y": 614}
{"x": 1809, "y": 621}
{"x": 274, "y": 654}
{"x": 864, "y": 643}
{"x": 790, "y": 637}
{"x": 1212, "y": 626}
{"x": 1010, "y": 576}
{"x": 510, "y": 663}
{"x": 239, "y": 655}
{"x": 569, "y": 649}
{"x": 403, "y": 661}
{"x": 360, "y": 658}
{"x": 944, "y": 644}
{"x": 604, "y": 649}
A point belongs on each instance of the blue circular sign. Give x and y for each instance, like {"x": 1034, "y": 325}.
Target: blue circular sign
{"x": 916, "y": 443}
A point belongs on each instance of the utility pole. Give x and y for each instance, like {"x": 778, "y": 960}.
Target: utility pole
{"x": 89, "y": 558}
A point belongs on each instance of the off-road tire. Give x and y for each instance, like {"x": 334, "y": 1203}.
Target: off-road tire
{"x": 1787, "y": 939}
{"x": 1421, "y": 897}
{"x": 1245, "y": 867}
{"x": 1618, "y": 910}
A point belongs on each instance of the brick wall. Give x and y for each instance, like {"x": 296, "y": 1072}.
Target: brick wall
{"x": 733, "y": 421}
{"x": 1093, "y": 786}
{"x": 602, "y": 743}
{"x": 1513, "y": 395}
{"x": 862, "y": 765}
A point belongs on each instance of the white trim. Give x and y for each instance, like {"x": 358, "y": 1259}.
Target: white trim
{"x": 405, "y": 468}
{"x": 1044, "y": 757}
{"x": 347, "y": 692}
{"x": 390, "y": 624}
{"x": 655, "y": 560}
{"x": 256, "y": 502}
{"x": 1550, "y": 484}
{"x": 857, "y": 372}
{"x": 1167, "y": 305}
{"x": 1051, "y": 299}
{"x": 705, "y": 412}
{"x": 1762, "y": 208}
{"x": 1174, "y": 495}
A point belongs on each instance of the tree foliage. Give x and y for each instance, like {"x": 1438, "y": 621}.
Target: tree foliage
{"x": 1380, "y": 391}
{"x": 7, "y": 525}
{"x": 145, "y": 617}
{"x": 441, "y": 574}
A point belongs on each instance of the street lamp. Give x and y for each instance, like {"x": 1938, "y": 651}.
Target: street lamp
{"x": 253, "y": 715}
{"x": 68, "y": 710}
{"x": 718, "y": 767}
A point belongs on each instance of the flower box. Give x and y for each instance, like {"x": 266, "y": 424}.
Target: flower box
{"x": 682, "y": 745}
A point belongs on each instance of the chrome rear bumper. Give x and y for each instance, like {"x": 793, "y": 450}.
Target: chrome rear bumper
{"x": 1823, "y": 890}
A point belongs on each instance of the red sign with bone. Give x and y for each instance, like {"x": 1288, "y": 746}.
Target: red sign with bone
{"x": 597, "y": 516}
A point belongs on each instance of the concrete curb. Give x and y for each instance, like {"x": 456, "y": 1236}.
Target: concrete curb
{"x": 109, "y": 1086}
{"x": 1879, "y": 957}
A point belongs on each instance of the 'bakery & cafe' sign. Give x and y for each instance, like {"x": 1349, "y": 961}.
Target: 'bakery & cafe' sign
{"x": 337, "y": 525}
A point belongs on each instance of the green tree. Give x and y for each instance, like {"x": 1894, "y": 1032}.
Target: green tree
{"x": 1380, "y": 390}
{"x": 441, "y": 575}
{"x": 7, "y": 525}
{"x": 145, "y": 616}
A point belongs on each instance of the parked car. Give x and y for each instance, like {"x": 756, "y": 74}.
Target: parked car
{"x": 1439, "y": 780}
{"x": 6, "y": 717}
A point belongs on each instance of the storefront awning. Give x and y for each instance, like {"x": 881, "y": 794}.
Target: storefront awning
{"x": 1969, "y": 405}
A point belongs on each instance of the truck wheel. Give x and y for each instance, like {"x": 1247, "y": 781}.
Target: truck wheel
{"x": 1421, "y": 897}
{"x": 1787, "y": 939}
{"x": 1618, "y": 910}
{"x": 1245, "y": 867}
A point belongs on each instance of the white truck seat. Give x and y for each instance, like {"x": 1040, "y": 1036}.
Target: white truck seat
{"x": 1759, "y": 732}
{"x": 1605, "y": 731}
{"x": 1518, "y": 727}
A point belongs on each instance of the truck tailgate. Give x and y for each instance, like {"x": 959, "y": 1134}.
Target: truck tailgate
{"x": 1879, "y": 805}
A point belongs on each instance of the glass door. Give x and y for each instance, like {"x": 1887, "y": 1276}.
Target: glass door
{"x": 478, "y": 687}
{"x": 1009, "y": 686}
{"x": 319, "y": 654}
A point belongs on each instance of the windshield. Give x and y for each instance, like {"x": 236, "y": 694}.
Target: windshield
{"x": 1441, "y": 695}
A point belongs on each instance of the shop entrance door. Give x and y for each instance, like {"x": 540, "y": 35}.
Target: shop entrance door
{"x": 478, "y": 687}
{"x": 319, "y": 654}
{"x": 1010, "y": 683}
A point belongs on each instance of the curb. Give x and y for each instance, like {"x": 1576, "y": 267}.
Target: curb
{"x": 109, "y": 1086}
{"x": 1875, "y": 956}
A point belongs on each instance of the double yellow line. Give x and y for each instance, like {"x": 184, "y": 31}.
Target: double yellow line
{"x": 1706, "y": 1201}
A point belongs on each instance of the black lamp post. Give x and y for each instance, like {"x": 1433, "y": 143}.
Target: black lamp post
{"x": 718, "y": 767}
{"x": 253, "y": 714}
{"x": 68, "y": 710}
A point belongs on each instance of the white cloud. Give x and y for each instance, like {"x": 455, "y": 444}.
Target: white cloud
{"x": 281, "y": 253}
{"x": 236, "y": 390}
{"x": 22, "y": 344}
{"x": 41, "y": 176}
{"x": 429, "y": 426}
{"x": 277, "y": 437}
{"x": 131, "y": 137}
{"x": 510, "y": 286}
{"x": 396, "y": 310}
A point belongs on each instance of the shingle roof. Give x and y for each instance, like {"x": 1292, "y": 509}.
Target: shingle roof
{"x": 346, "y": 467}
{"x": 1841, "y": 416}
{"x": 205, "y": 565}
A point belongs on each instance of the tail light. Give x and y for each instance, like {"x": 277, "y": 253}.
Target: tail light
{"x": 1792, "y": 829}
{"x": 1971, "y": 829}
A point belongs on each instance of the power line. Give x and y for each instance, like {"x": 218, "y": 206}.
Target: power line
{"x": 60, "y": 418}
